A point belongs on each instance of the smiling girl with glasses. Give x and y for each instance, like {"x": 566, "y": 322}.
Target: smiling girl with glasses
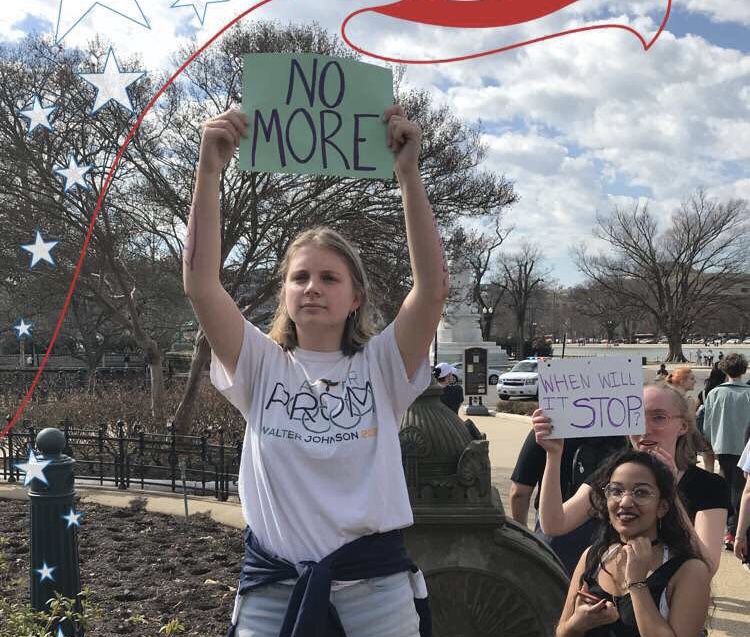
{"x": 670, "y": 428}
{"x": 643, "y": 576}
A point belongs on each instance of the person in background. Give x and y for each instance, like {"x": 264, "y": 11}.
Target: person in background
{"x": 662, "y": 371}
{"x": 683, "y": 380}
{"x": 453, "y": 392}
{"x": 726, "y": 417}
{"x": 643, "y": 575}
{"x": 669, "y": 423}
{"x": 715, "y": 378}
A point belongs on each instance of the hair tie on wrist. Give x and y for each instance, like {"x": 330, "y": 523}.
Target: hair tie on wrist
{"x": 639, "y": 584}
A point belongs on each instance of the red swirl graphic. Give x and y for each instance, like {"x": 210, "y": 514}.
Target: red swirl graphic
{"x": 482, "y": 14}
{"x": 478, "y": 14}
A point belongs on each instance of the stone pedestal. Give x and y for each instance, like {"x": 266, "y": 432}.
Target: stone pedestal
{"x": 487, "y": 576}
{"x": 459, "y": 329}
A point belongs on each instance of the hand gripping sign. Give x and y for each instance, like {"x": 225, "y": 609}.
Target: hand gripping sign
{"x": 587, "y": 397}
{"x": 316, "y": 114}
{"x": 515, "y": 23}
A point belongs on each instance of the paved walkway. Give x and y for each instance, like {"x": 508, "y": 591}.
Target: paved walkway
{"x": 506, "y": 432}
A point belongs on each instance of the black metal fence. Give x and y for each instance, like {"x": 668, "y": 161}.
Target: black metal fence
{"x": 129, "y": 457}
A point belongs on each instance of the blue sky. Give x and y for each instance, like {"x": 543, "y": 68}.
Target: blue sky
{"x": 581, "y": 123}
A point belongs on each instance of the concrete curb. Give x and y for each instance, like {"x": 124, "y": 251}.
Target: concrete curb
{"x": 226, "y": 513}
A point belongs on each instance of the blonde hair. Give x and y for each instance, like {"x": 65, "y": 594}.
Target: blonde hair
{"x": 687, "y": 443}
{"x": 678, "y": 376}
{"x": 360, "y": 325}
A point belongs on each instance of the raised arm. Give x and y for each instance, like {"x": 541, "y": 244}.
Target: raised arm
{"x": 555, "y": 516}
{"x": 420, "y": 312}
{"x": 217, "y": 312}
{"x": 709, "y": 532}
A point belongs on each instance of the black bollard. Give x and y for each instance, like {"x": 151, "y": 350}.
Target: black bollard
{"x": 54, "y": 533}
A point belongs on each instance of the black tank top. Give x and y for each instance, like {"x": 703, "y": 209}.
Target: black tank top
{"x": 626, "y": 626}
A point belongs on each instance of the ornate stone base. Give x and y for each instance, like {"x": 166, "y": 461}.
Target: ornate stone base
{"x": 487, "y": 579}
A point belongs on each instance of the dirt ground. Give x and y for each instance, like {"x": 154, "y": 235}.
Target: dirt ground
{"x": 143, "y": 568}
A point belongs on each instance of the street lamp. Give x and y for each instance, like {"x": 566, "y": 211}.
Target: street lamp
{"x": 487, "y": 313}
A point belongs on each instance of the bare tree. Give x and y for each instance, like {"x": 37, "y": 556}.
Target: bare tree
{"x": 677, "y": 275}
{"x": 114, "y": 275}
{"x": 476, "y": 248}
{"x": 262, "y": 212}
{"x": 608, "y": 309}
{"x": 523, "y": 273}
{"x": 131, "y": 272}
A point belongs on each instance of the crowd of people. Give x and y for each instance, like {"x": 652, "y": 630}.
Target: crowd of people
{"x": 659, "y": 521}
{"x": 324, "y": 553}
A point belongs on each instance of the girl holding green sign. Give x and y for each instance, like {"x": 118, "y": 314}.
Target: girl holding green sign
{"x": 320, "y": 480}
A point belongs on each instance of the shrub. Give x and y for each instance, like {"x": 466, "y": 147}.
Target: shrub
{"x": 132, "y": 405}
{"x": 20, "y": 620}
{"x": 522, "y": 407}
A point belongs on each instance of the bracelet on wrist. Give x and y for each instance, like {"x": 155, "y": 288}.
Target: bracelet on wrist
{"x": 639, "y": 584}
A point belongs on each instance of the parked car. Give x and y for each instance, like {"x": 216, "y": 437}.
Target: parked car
{"x": 732, "y": 341}
{"x": 746, "y": 341}
{"x": 493, "y": 374}
{"x": 521, "y": 380}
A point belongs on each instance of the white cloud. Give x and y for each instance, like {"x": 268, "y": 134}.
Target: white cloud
{"x": 721, "y": 10}
{"x": 581, "y": 123}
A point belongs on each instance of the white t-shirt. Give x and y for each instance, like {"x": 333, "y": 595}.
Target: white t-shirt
{"x": 321, "y": 461}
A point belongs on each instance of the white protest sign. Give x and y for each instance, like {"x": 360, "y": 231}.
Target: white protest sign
{"x": 587, "y": 397}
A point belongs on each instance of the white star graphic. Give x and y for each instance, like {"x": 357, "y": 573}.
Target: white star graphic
{"x": 46, "y": 572}
{"x": 38, "y": 116}
{"x": 33, "y": 469}
{"x": 40, "y": 250}
{"x": 24, "y": 329}
{"x": 74, "y": 174}
{"x": 72, "y": 518}
{"x": 111, "y": 84}
{"x": 72, "y": 12}
{"x": 199, "y": 6}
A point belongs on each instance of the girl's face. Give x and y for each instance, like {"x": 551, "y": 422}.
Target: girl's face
{"x": 664, "y": 423}
{"x": 318, "y": 289}
{"x": 688, "y": 382}
{"x": 634, "y": 503}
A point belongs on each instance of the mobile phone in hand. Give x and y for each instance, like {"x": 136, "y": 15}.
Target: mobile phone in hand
{"x": 589, "y": 597}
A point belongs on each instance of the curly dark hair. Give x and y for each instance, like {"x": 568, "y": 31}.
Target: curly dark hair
{"x": 672, "y": 533}
{"x": 734, "y": 364}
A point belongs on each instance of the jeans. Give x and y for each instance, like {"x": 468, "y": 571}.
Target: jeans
{"x": 377, "y": 607}
{"x": 736, "y": 482}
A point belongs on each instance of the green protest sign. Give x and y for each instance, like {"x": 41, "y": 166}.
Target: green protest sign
{"x": 315, "y": 114}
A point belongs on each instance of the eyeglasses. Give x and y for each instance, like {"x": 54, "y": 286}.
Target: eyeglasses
{"x": 660, "y": 419}
{"x": 640, "y": 495}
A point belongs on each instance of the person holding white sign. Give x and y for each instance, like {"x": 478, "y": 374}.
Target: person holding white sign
{"x": 643, "y": 576}
{"x": 320, "y": 481}
{"x": 670, "y": 426}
